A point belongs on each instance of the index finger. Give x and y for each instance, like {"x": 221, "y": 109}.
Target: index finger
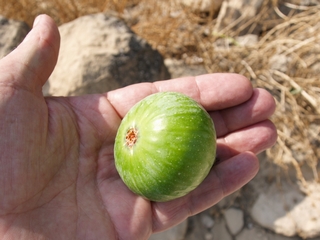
{"x": 213, "y": 91}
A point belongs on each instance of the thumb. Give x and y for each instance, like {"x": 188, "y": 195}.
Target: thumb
{"x": 29, "y": 66}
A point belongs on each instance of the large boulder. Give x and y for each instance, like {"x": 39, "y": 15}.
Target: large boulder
{"x": 11, "y": 34}
{"x": 100, "y": 53}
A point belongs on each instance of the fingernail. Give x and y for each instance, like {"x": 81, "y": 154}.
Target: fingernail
{"x": 37, "y": 20}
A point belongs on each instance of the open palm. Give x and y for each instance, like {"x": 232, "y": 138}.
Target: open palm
{"x": 57, "y": 174}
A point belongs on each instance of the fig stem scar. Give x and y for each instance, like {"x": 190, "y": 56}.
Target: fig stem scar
{"x": 131, "y": 137}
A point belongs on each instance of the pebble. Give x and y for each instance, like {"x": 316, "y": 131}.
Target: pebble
{"x": 234, "y": 220}
{"x": 176, "y": 233}
{"x": 220, "y": 231}
{"x": 207, "y": 221}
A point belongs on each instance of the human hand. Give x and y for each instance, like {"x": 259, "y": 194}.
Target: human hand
{"x": 57, "y": 174}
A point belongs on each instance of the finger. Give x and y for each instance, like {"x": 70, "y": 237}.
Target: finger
{"x": 255, "y": 138}
{"x": 212, "y": 91}
{"x": 259, "y": 107}
{"x": 32, "y": 62}
{"x": 223, "y": 179}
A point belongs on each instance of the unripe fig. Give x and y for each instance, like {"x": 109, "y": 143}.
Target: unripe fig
{"x": 165, "y": 146}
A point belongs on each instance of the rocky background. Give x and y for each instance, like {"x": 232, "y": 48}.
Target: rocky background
{"x": 274, "y": 43}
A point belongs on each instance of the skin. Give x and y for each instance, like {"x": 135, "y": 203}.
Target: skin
{"x": 57, "y": 174}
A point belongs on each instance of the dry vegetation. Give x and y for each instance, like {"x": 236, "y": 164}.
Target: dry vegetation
{"x": 198, "y": 39}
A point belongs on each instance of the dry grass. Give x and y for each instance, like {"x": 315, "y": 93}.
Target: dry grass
{"x": 60, "y": 10}
{"x": 198, "y": 38}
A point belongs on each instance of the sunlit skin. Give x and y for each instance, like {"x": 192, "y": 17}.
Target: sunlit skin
{"x": 57, "y": 174}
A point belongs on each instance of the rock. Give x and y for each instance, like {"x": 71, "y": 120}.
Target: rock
{"x": 270, "y": 210}
{"x": 178, "y": 68}
{"x": 288, "y": 211}
{"x": 196, "y": 230}
{"x": 234, "y": 220}
{"x": 220, "y": 231}
{"x": 261, "y": 234}
{"x": 280, "y": 62}
{"x": 100, "y": 53}
{"x": 247, "y": 234}
{"x": 203, "y": 5}
{"x": 11, "y": 34}
{"x": 247, "y": 40}
{"x": 176, "y": 233}
{"x": 207, "y": 221}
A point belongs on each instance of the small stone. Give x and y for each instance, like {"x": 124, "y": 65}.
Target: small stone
{"x": 261, "y": 234}
{"x": 234, "y": 219}
{"x": 247, "y": 40}
{"x": 247, "y": 234}
{"x": 289, "y": 211}
{"x": 269, "y": 212}
{"x": 208, "y": 236}
{"x": 178, "y": 68}
{"x": 207, "y": 221}
{"x": 220, "y": 231}
{"x": 176, "y": 233}
{"x": 279, "y": 62}
{"x": 281, "y": 237}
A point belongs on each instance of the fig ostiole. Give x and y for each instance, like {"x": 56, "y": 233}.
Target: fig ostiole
{"x": 165, "y": 146}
